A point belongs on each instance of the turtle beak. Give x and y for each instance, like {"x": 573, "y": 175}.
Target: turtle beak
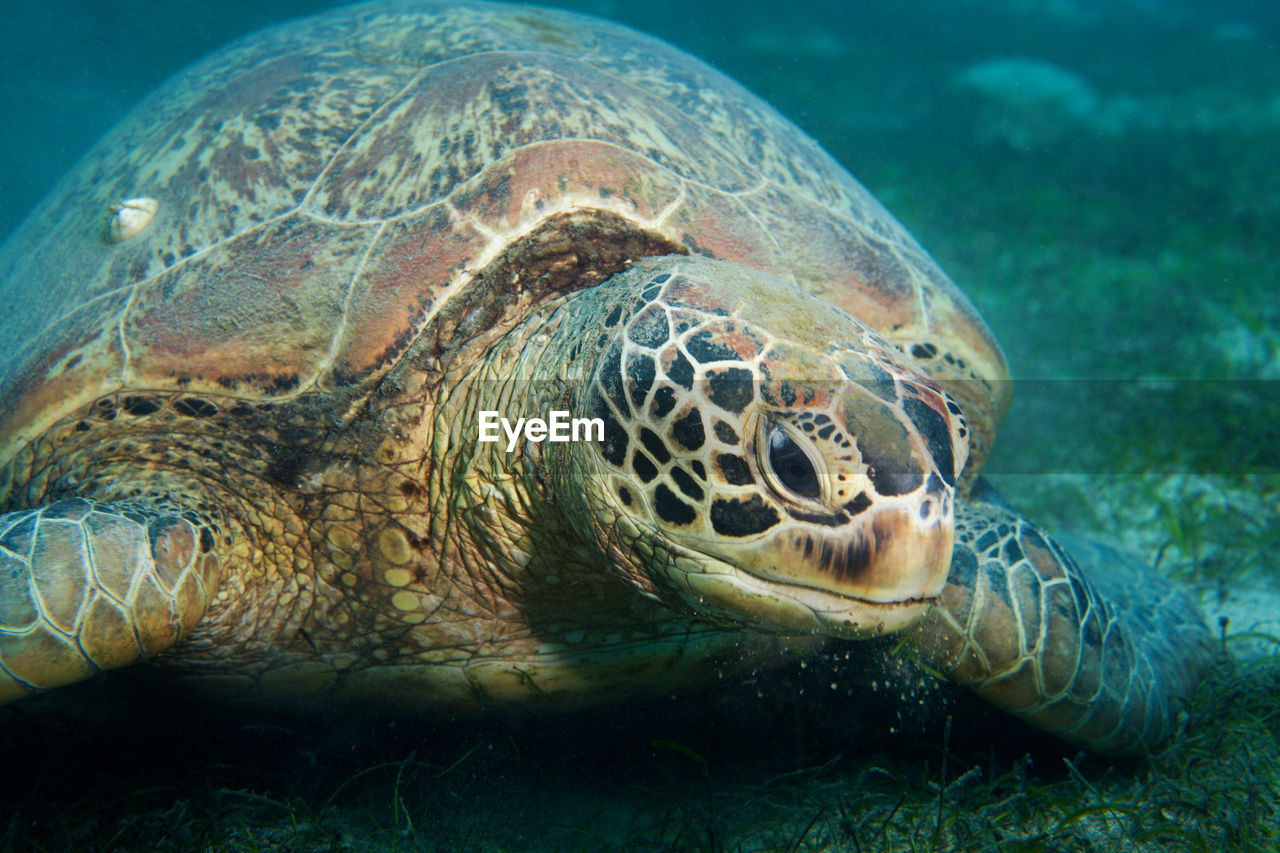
{"x": 902, "y": 477}
{"x": 879, "y": 533}
{"x": 897, "y": 552}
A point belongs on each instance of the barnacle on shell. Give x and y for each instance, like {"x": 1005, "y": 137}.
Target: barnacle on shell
{"x": 129, "y": 217}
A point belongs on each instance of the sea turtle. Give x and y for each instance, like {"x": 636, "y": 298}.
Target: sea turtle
{"x": 259, "y": 333}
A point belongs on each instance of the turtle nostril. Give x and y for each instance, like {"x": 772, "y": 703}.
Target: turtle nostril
{"x": 792, "y": 465}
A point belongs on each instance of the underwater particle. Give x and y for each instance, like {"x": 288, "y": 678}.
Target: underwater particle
{"x": 129, "y": 217}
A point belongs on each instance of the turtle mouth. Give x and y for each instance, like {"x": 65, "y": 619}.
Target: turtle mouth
{"x": 717, "y": 589}
{"x": 847, "y": 615}
{"x": 890, "y": 557}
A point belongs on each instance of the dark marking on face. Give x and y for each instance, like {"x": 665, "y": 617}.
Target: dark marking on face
{"x": 614, "y": 446}
{"x": 704, "y": 349}
{"x": 206, "y": 540}
{"x": 736, "y": 517}
{"x": 833, "y": 519}
{"x": 281, "y": 384}
{"x": 923, "y": 351}
{"x": 664, "y": 400}
{"x": 936, "y": 435}
{"x": 651, "y": 292}
{"x": 660, "y": 278}
{"x": 726, "y": 433}
{"x": 643, "y": 466}
{"x": 698, "y": 469}
{"x": 886, "y": 448}
{"x": 825, "y": 432}
{"x": 890, "y": 478}
{"x": 687, "y": 430}
{"x": 879, "y": 382}
{"x": 858, "y": 505}
{"x": 611, "y": 378}
{"x": 640, "y": 373}
{"x": 649, "y": 328}
{"x": 681, "y": 371}
{"x": 933, "y": 485}
{"x": 686, "y": 483}
{"x": 670, "y": 508}
{"x": 845, "y": 562}
{"x": 1012, "y": 551}
{"x": 614, "y": 316}
{"x": 654, "y": 445}
{"x": 730, "y": 389}
{"x": 734, "y": 469}
{"x": 625, "y": 495}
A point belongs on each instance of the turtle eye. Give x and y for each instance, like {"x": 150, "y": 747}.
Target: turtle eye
{"x": 792, "y": 466}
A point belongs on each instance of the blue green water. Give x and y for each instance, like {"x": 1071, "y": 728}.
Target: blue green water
{"x": 865, "y": 78}
{"x": 1100, "y": 177}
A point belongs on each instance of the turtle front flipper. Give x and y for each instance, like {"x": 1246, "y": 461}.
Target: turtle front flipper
{"x": 1105, "y": 660}
{"x": 88, "y": 586}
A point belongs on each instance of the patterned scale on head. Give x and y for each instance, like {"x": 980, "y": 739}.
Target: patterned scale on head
{"x": 765, "y": 457}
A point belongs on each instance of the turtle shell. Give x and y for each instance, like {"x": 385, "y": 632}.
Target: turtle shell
{"x": 306, "y": 204}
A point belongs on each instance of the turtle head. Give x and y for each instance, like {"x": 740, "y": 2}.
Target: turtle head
{"x": 768, "y": 460}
